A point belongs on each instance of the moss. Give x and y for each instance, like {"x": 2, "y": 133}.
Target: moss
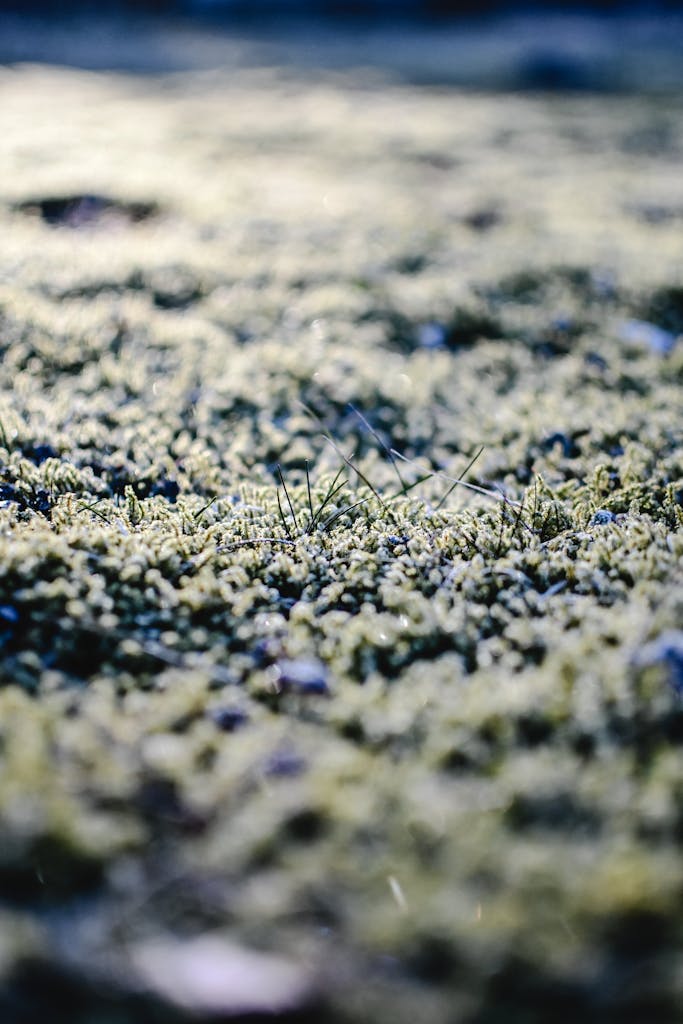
{"x": 421, "y": 739}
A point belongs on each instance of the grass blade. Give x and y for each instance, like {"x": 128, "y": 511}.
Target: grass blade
{"x": 410, "y": 487}
{"x": 331, "y": 491}
{"x": 95, "y": 511}
{"x": 282, "y": 515}
{"x": 464, "y": 473}
{"x": 310, "y": 501}
{"x": 496, "y": 493}
{"x": 289, "y": 500}
{"x": 342, "y": 512}
{"x": 387, "y": 451}
{"x": 358, "y": 473}
{"x": 204, "y": 508}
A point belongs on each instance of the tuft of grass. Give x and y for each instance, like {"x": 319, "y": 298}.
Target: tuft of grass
{"x": 316, "y": 521}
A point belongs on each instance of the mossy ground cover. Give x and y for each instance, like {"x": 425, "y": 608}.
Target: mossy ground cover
{"x": 420, "y": 759}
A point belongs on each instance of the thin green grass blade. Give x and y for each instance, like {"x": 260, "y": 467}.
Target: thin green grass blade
{"x": 331, "y": 491}
{"x": 203, "y": 509}
{"x": 342, "y": 512}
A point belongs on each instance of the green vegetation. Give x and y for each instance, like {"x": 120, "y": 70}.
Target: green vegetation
{"x": 280, "y": 700}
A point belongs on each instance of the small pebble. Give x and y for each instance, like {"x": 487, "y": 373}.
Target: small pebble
{"x": 8, "y": 613}
{"x": 595, "y": 359}
{"x": 641, "y": 332}
{"x": 304, "y": 675}
{"x": 602, "y": 517}
{"x": 209, "y": 977}
{"x": 431, "y": 335}
{"x": 229, "y": 719}
{"x": 285, "y": 764}
{"x": 483, "y": 219}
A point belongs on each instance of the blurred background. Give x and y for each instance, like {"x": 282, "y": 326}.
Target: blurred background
{"x": 605, "y": 45}
{"x": 322, "y": 8}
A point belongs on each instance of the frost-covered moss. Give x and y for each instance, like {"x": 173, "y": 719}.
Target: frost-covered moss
{"x": 427, "y": 749}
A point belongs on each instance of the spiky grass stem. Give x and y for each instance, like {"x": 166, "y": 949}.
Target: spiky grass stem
{"x": 289, "y": 500}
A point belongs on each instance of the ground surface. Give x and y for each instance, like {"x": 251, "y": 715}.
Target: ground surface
{"x": 421, "y": 761}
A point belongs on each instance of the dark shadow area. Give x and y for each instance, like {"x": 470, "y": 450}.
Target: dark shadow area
{"x": 85, "y": 210}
